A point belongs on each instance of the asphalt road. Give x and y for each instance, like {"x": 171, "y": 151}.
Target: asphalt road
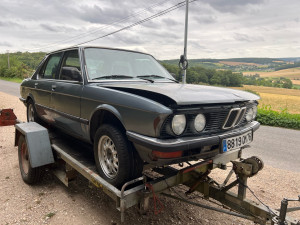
{"x": 10, "y": 88}
{"x": 277, "y": 147}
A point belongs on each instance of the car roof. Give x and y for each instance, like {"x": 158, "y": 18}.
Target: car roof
{"x": 83, "y": 47}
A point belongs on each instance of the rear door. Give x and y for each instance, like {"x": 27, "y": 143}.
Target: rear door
{"x": 43, "y": 86}
{"x": 66, "y": 94}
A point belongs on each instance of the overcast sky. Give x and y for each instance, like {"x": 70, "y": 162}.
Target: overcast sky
{"x": 217, "y": 28}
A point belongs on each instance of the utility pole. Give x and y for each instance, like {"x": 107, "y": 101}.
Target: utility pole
{"x": 183, "y": 63}
{"x": 8, "y": 64}
{"x": 185, "y": 36}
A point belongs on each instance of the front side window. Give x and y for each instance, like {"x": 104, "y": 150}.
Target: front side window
{"x": 70, "y": 68}
{"x": 111, "y": 63}
{"x": 50, "y": 69}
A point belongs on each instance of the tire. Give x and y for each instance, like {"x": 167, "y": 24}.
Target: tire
{"x": 114, "y": 156}
{"x": 29, "y": 175}
{"x": 31, "y": 112}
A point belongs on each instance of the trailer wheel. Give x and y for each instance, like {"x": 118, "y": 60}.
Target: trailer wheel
{"x": 114, "y": 155}
{"x": 31, "y": 112}
{"x": 29, "y": 175}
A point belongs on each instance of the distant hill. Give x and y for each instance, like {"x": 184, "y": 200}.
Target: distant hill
{"x": 243, "y": 64}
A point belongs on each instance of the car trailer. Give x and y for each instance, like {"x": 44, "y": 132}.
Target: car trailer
{"x": 39, "y": 147}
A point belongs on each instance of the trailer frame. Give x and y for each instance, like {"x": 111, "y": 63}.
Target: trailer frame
{"x": 139, "y": 191}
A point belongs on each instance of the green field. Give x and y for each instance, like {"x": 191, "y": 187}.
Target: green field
{"x": 15, "y": 79}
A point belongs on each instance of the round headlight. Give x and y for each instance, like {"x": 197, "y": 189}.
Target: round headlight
{"x": 178, "y": 124}
{"x": 200, "y": 122}
{"x": 254, "y": 111}
{"x": 249, "y": 115}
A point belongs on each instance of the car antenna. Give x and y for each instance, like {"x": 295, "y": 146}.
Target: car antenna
{"x": 183, "y": 62}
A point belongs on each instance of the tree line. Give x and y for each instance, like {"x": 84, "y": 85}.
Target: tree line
{"x": 200, "y": 75}
{"x": 19, "y": 64}
{"x": 280, "y": 82}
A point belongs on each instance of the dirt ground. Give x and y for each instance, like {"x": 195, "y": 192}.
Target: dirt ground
{"x": 50, "y": 202}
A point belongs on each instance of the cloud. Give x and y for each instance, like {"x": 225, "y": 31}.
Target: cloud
{"x": 217, "y": 28}
{"x": 170, "y": 22}
{"x": 5, "y": 44}
{"x": 247, "y": 38}
{"x": 231, "y": 6}
{"x": 9, "y": 24}
{"x": 128, "y": 38}
{"x": 57, "y": 28}
{"x": 206, "y": 19}
{"x": 97, "y": 14}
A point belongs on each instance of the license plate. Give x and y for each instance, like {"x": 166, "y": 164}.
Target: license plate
{"x": 237, "y": 141}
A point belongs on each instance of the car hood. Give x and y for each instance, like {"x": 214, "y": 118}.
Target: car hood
{"x": 184, "y": 94}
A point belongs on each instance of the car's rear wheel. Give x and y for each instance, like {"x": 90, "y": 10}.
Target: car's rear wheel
{"x": 114, "y": 156}
{"x": 29, "y": 175}
{"x": 31, "y": 112}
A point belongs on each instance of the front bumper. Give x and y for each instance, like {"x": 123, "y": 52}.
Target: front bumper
{"x": 145, "y": 145}
{"x": 23, "y": 100}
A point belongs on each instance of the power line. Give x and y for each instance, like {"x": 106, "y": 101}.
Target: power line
{"x": 103, "y": 27}
{"x": 172, "y": 8}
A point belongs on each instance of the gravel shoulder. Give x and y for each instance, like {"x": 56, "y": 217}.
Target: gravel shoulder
{"x": 50, "y": 202}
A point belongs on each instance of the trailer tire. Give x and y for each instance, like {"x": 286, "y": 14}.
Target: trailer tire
{"x": 31, "y": 112}
{"x": 114, "y": 155}
{"x": 29, "y": 175}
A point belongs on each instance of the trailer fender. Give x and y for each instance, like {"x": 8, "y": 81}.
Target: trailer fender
{"x": 38, "y": 143}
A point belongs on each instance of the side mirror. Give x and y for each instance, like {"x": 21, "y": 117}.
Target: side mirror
{"x": 70, "y": 73}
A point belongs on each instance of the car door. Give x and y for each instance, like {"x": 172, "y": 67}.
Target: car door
{"x": 66, "y": 94}
{"x": 43, "y": 86}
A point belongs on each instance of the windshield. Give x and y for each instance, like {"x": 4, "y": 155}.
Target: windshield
{"x": 118, "y": 64}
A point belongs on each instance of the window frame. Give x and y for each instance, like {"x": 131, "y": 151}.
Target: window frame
{"x": 63, "y": 58}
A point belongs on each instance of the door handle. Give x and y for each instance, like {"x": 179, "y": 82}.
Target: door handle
{"x": 35, "y": 85}
{"x": 53, "y": 87}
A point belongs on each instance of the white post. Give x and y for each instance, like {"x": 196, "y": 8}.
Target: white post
{"x": 8, "y": 64}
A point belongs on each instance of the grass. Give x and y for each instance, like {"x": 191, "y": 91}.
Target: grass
{"x": 280, "y": 102}
{"x": 277, "y": 98}
{"x": 297, "y": 82}
{"x": 297, "y": 86}
{"x": 15, "y": 79}
{"x": 230, "y": 63}
{"x": 292, "y": 73}
{"x": 272, "y": 90}
{"x": 49, "y": 215}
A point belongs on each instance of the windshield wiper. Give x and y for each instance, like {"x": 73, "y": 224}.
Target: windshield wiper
{"x": 116, "y": 76}
{"x": 156, "y": 76}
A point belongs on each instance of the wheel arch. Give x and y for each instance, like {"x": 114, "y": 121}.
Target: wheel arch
{"x": 105, "y": 114}
{"x": 29, "y": 97}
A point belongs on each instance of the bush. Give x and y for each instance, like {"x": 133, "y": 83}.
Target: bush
{"x": 267, "y": 116}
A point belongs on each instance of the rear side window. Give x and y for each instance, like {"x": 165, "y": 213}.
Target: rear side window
{"x": 50, "y": 68}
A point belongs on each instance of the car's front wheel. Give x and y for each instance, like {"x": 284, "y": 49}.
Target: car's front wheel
{"x": 114, "y": 156}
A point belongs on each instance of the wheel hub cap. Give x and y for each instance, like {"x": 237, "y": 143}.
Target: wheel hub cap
{"x": 108, "y": 157}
